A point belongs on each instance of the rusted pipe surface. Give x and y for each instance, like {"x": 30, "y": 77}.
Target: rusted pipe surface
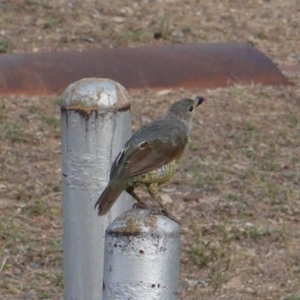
{"x": 191, "y": 66}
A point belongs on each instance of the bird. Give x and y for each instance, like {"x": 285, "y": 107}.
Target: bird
{"x": 150, "y": 157}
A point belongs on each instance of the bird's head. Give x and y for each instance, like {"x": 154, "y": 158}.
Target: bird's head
{"x": 184, "y": 109}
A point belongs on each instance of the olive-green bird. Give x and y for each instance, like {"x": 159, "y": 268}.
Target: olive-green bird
{"x": 150, "y": 156}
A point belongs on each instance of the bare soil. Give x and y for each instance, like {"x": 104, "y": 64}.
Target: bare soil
{"x": 238, "y": 190}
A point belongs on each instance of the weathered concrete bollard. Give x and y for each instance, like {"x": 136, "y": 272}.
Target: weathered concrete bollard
{"x": 142, "y": 257}
{"x": 96, "y": 123}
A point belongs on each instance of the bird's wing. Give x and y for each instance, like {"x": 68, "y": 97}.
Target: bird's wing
{"x": 146, "y": 156}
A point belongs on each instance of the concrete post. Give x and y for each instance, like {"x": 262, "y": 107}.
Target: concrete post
{"x": 96, "y": 123}
{"x": 142, "y": 257}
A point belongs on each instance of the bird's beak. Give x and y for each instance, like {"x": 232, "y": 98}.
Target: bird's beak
{"x": 199, "y": 100}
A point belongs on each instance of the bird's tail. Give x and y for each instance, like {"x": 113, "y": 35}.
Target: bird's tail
{"x": 107, "y": 199}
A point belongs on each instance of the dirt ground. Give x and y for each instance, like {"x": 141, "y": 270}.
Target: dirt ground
{"x": 238, "y": 190}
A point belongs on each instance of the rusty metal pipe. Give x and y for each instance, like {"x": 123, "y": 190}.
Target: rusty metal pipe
{"x": 190, "y": 66}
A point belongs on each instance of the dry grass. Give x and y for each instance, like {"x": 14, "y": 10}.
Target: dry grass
{"x": 237, "y": 192}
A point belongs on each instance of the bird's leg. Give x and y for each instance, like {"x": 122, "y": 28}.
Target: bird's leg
{"x": 141, "y": 203}
{"x": 152, "y": 189}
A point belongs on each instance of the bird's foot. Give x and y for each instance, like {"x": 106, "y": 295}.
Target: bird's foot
{"x": 139, "y": 206}
{"x": 155, "y": 211}
{"x": 164, "y": 212}
{"x": 170, "y": 216}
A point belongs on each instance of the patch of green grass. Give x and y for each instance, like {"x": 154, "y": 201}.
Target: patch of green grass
{"x": 51, "y": 121}
{"x": 58, "y": 101}
{"x": 252, "y": 232}
{"x": 251, "y": 171}
{"x": 200, "y": 177}
{"x": 250, "y": 154}
{"x": 295, "y": 159}
{"x": 213, "y": 256}
{"x": 249, "y": 125}
{"x": 55, "y": 210}
{"x": 33, "y": 109}
{"x": 134, "y": 35}
{"x": 5, "y": 46}
{"x": 104, "y": 25}
{"x": 262, "y": 35}
{"x": 11, "y": 234}
{"x": 202, "y": 254}
{"x": 13, "y": 132}
{"x": 55, "y": 245}
{"x": 273, "y": 191}
{"x": 213, "y": 180}
{"x": 288, "y": 175}
{"x": 58, "y": 281}
{"x": 44, "y": 295}
{"x": 50, "y": 23}
{"x": 293, "y": 120}
{"x": 35, "y": 5}
{"x": 201, "y": 39}
{"x": 164, "y": 26}
{"x": 37, "y": 208}
{"x": 232, "y": 197}
{"x": 194, "y": 145}
{"x": 292, "y": 297}
{"x": 269, "y": 161}
{"x": 3, "y": 113}
{"x": 218, "y": 277}
{"x": 56, "y": 253}
{"x": 186, "y": 29}
{"x": 241, "y": 94}
{"x": 53, "y": 188}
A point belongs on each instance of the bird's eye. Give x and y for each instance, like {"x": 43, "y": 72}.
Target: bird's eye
{"x": 191, "y": 108}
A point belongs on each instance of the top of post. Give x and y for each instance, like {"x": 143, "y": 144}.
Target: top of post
{"x": 95, "y": 94}
{"x": 142, "y": 221}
